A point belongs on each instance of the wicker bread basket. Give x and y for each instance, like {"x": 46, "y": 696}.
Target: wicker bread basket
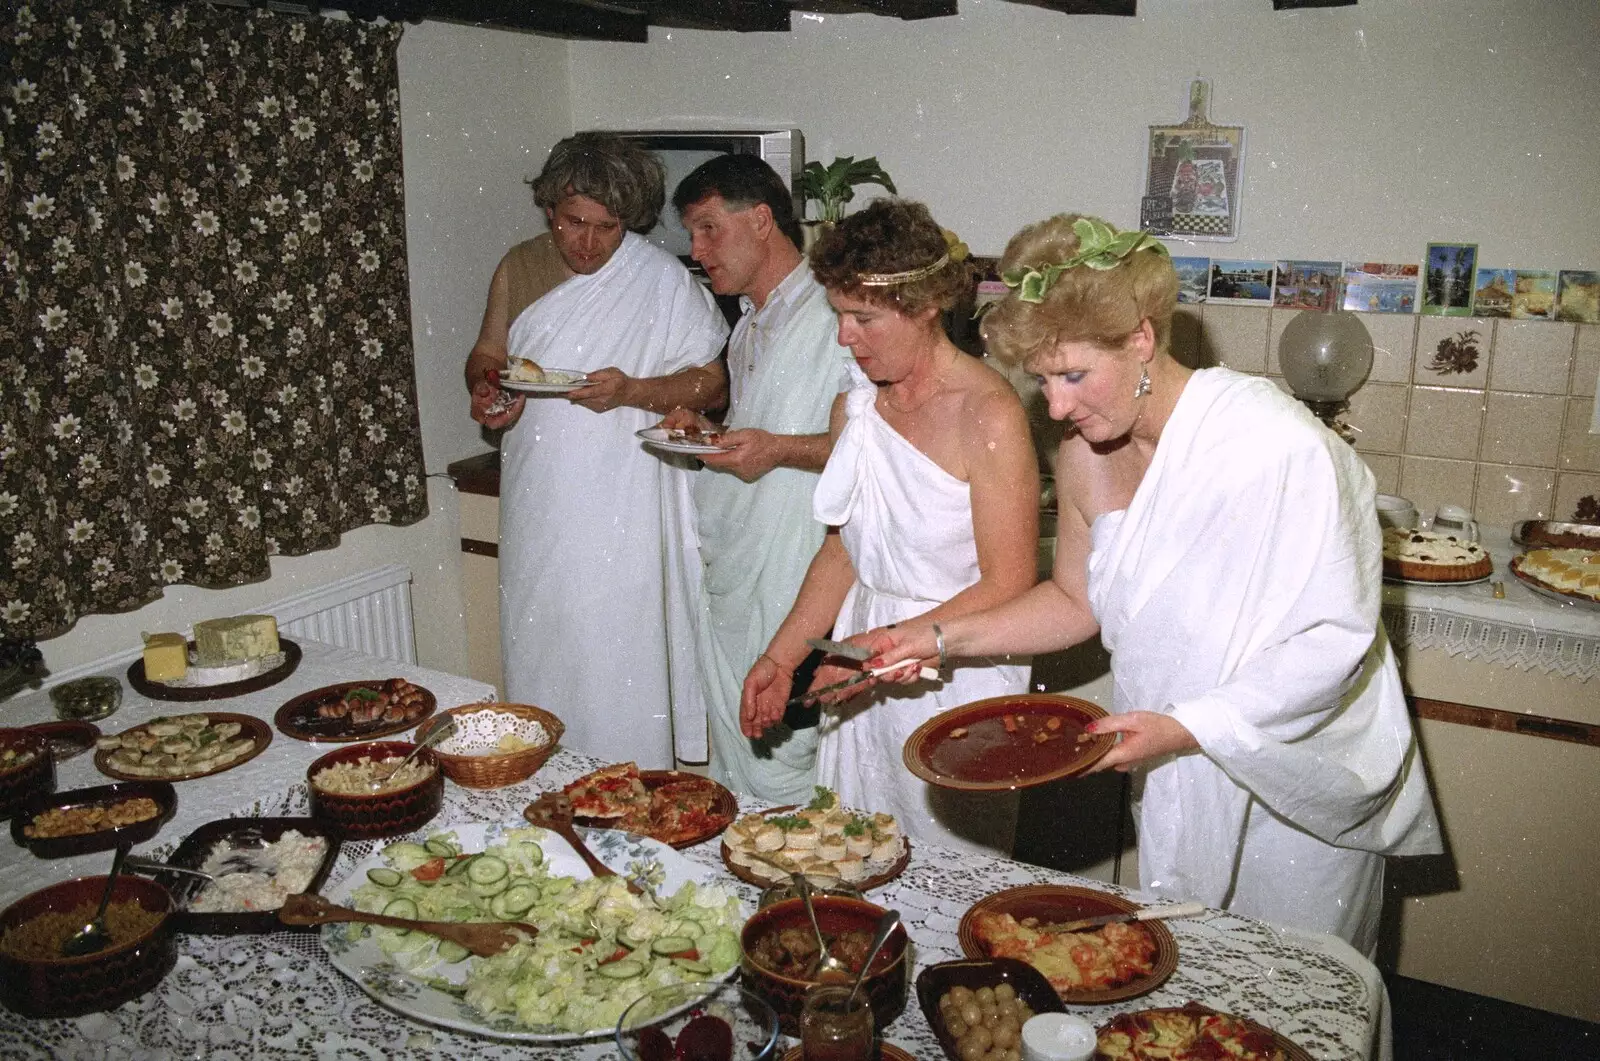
{"x": 489, "y": 768}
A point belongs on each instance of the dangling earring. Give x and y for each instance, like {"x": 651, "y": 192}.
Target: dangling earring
{"x": 1144, "y": 383}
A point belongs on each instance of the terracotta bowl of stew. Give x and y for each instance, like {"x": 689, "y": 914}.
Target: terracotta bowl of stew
{"x": 26, "y": 769}
{"x": 370, "y": 815}
{"x": 777, "y": 944}
{"x": 142, "y": 949}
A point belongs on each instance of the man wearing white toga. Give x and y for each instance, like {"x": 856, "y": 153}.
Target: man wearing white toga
{"x": 753, "y": 501}
{"x": 597, "y": 564}
{"x": 934, "y": 490}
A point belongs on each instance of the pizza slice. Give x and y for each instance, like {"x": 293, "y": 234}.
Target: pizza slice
{"x": 609, "y": 792}
{"x": 681, "y": 810}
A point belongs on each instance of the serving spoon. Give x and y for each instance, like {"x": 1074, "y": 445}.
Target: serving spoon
{"x": 483, "y": 938}
{"x": 93, "y": 935}
{"x": 886, "y": 925}
{"x": 429, "y": 741}
{"x": 553, "y": 811}
{"x": 825, "y": 966}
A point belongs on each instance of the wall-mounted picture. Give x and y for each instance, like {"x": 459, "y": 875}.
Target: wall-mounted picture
{"x": 1307, "y": 285}
{"x": 1380, "y": 287}
{"x": 1447, "y": 279}
{"x": 1578, "y": 296}
{"x": 1240, "y": 282}
{"x": 1193, "y": 175}
{"x": 1194, "y": 274}
{"x": 1492, "y": 291}
{"x": 1534, "y": 295}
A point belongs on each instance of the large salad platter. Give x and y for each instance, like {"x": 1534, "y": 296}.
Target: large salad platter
{"x": 585, "y": 925}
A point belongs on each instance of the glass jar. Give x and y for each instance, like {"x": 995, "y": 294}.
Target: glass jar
{"x": 86, "y": 699}
{"x": 836, "y": 1025}
{"x": 784, "y": 889}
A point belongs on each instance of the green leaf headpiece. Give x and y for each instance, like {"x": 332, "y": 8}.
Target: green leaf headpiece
{"x": 1099, "y": 248}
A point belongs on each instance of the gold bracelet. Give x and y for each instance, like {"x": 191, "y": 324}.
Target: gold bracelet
{"x": 787, "y": 670}
{"x": 938, "y": 639}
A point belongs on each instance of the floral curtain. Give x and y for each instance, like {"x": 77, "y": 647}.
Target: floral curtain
{"x": 205, "y": 342}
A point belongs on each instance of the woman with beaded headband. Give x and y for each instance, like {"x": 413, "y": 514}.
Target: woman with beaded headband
{"x": 1225, "y": 547}
{"x": 931, "y": 497}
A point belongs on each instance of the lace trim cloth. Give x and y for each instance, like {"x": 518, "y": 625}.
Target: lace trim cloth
{"x": 277, "y": 996}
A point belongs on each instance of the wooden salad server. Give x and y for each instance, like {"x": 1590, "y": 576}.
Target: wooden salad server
{"x": 485, "y": 938}
{"x": 553, "y": 811}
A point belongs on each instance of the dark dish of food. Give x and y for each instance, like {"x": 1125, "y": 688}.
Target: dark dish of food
{"x": 90, "y": 818}
{"x": 986, "y": 1023}
{"x": 40, "y": 937}
{"x": 381, "y": 703}
{"x": 13, "y": 758}
{"x": 704, "y": 1038}
{"x": 67, "y": 739}
{"x": 792, "y": 951}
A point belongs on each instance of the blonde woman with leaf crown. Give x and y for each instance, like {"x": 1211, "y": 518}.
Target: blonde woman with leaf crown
{"x": 1225, "y": 547}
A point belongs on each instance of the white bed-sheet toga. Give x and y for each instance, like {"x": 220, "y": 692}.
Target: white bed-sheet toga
{"x": 597, "y": 556}
{"x": 1239, "y": 592}
{"x": 907, "y": 525}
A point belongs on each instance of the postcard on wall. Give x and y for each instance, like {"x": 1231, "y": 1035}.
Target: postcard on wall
{"x": 1380, "y": 287}
{"x": 1193, "y": 276}
{"x": 1577, "y": 298}
{"x": 1534, "y": 294}
{"x": 1193, "y": 175}
{"x": 1238, "y": 282}
{"x": 1307, "y": 285}
{"x": 1447, "y": 280}
{"x": 1491, "y": 292}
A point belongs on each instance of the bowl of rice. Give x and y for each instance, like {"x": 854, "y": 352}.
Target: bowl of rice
{"x": 37, "y": 981}
{"x": 494, "y": 744}
{"x": 342, "y": 797}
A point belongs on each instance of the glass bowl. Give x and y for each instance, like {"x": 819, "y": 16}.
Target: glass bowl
{"x": 663, "y": 1014}
{"x": 785, "y": 889}
{"x": 86, "y": 699}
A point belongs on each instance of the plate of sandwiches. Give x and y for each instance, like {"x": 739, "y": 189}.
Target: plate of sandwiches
{"x": 525, "y": 376}
{"x": 823, "y": 840}
{"x": 1431, "y": 558}
{"x": 676, "y": 808}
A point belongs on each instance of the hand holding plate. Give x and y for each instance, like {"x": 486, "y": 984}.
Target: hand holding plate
{"x": 1145, "y": 735}
{"x": 605, "y": 389}
{"x": 748, "y": 453}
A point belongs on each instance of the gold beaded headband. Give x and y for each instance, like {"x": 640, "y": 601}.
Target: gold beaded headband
{"x": 955, "y": 250}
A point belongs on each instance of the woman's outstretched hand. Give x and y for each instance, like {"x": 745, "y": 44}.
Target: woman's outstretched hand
{"x": 1145, "y": 735}
{"x": 762, "y": 700}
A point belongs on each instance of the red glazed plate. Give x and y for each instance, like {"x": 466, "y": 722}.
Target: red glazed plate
{"x": 299, "y": 719}
{"x": 259, "y": 733}
{"x": 164, "y": 795}
{"x": 163, "y": 691}
{"x": 886, "y": 1052}
{"x": 1057, "y": 902}
{"x": 724, "y": 806}
{"x": 67, "y": 739}
{"x": 1007, "y": 742}
{"x": 1291, "y": 1050}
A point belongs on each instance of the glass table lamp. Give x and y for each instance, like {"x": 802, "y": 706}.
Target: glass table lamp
{"x": 1325, "y": 358}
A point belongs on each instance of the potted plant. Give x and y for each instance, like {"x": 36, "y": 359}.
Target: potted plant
{"x": 834, "y": 185}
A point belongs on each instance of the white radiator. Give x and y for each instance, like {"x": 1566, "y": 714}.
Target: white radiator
{"x": 370, "y": 611}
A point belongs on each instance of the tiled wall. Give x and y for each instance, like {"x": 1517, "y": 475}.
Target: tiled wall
{"x": 1504, "y": 431}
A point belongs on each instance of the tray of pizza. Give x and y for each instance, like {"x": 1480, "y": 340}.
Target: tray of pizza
{"x": 1111, "y": 963}
{"x": 823, "y": 840}
{"x": 1191, "y": 1031}
{"x": 677, "y": 808}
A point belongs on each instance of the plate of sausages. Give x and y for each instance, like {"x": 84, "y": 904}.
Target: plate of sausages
{"x": 358, "y": 710}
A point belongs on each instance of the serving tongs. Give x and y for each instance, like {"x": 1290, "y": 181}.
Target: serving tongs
{"x": 553, "y": 811}
{"x": 483, "y": 938}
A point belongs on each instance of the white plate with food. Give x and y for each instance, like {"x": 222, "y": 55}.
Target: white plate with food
{"x": 599, "y": 947}
{"x": 680, "y": 440}
{"x": 531, "y": 379}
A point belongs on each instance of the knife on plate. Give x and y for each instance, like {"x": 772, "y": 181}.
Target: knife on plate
{"x": 859, "y": 653}
{"x": 1146, "y": 913}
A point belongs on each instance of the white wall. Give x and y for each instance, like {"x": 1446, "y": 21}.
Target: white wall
{"x": 479, "y": 110}
{"x": 1370, "y": 130}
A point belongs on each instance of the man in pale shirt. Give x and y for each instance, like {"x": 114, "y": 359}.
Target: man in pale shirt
{"x": 757, "y": 534}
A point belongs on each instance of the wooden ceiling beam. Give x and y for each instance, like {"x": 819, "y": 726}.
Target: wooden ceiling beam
{"x": 909, "y": 10}
{"x": 739, "y": 16}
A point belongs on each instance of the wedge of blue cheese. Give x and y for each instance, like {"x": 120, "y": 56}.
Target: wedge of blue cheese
{"x": 235, "y": 638}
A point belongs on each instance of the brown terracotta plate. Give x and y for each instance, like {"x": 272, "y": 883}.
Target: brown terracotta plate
{"x": 1292, "y": 1051}
{"x": 163, "y": 691}
{"x": 298, "y": 718}
{"x": 1550, "y": 592}
{"x": 886, "y": 1052}
{"x": 67, "y": 739}
{"x": 877, "y": 880}
{"x": 1058, "y": 902}
{"x": 724, "y": 806}
{"x": 160, "y": 792}
{"x": 972, "y": 749}
{"x": 256, "y": 730}
{"x": 245, "y": 834}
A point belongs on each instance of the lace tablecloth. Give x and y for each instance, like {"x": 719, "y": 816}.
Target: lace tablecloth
{"x": 1521, "y": 629}
{"x": 277, "y": 996}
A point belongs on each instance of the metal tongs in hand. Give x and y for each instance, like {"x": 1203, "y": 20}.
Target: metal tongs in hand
{"x": 859, "y": 653}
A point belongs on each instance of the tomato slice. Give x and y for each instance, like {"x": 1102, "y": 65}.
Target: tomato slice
{"x": 432, "y": 869}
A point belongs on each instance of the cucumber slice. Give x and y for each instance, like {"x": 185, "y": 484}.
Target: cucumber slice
{"x": 452, "y": 952}
{"x": 489, "y": 891}
{"x": 405, "y": 855}
{"x": 518, "y": 899}
{"x": 486, "y": 869}
{"x": 693, "y": 967}
{"x": 386, "y": 878}
{"x": 459, "y": 866}
{"x": 401, "y": 907}
{"x": 441, "y": 848}
{"x": 672, "y": 945}
{"x": 626, "y": 969}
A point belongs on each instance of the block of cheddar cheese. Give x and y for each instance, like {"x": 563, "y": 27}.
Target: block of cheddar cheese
{"x": 166, "y": 657}
{"x": 237, "y": 637}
